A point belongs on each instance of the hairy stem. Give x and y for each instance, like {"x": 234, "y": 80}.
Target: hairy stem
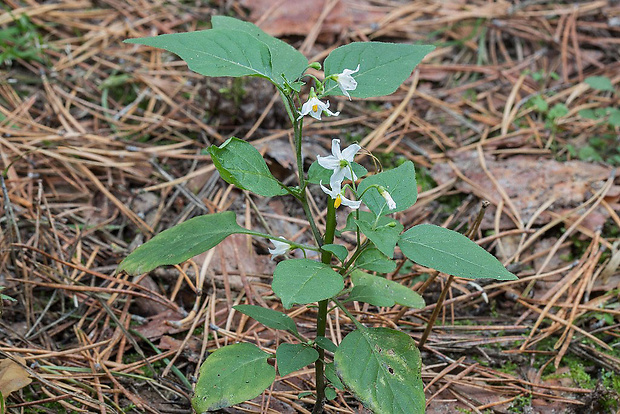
{"x": 321, "y": 318}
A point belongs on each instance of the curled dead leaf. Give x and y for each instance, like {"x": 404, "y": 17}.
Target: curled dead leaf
{"x": 13, "y": 376}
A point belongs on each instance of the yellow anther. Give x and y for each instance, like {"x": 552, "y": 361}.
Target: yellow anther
{"x": 315, "y": 108}
{"x": 337, "y": 201}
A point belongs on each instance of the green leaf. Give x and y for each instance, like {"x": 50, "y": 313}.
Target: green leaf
{"x": 285, "y": 59}
{"x": 383, "y": 66}
{"x": 399, "y": 182}
{"x": 614, "y": 117}
{"x": 216, "y": 52}
{"x": 330, "y": 374}
{"x": 231, "y": 375}
{"x": 372, "y": 259}
{"x": 384, "y": 234}
{"x": 268, "y": 317}
{"x": 380, "y": 291}
{"x": 451, "y": 252}
{"x": 292, "y": 357}
{"x": 181, "y": 242}
{"x": 382, "y": 368}
{"x": 316, "y": 173}
{"x": 600, "y": 83}
{"x": 302, "y": 281}
{"x": 240, "y": 164}
{"x": 330, "y": 393}
{"x": 588, "y": 114}
{"x": 338, "y": 250}
{"x": 326, "y": 344}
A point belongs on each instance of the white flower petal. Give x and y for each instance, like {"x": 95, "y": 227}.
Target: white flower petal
{"x": 350, "y": 152}
{"x": 280, "y": 248}
{"x": 329, "y": 163}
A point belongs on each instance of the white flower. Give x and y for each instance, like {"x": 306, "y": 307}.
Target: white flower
{"x": 315, "y": 108}
{"x": 337, "y": 194}
{"x": 280, "y": 248}
{"x": 390, "y": 201}
{"x": 346, "y": 81}
{"x": 339, "y": 162}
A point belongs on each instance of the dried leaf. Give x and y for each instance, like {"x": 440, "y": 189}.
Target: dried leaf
{"x": 12, "y": 376}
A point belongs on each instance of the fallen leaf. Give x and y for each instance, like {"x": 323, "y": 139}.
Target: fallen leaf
{"x": 12, "y": 376}
{"x": 293, "y": 17}
{"x": 529, "y": 182}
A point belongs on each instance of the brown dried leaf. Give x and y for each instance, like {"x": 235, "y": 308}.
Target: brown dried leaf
{"x": 292, "y": 17}
{"x": 529, "y": 182}
{"x": 12, "y": 376}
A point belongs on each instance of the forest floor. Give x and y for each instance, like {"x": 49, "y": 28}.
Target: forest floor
{"x": 103, "y": 143}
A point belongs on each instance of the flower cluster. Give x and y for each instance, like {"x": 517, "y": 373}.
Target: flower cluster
{"x": 315, "y": 107}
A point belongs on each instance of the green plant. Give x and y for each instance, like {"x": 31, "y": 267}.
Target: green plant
{"x": 379, "y": 366}
{"x": 520, "y": 403}
{"x": 20, "y": 40}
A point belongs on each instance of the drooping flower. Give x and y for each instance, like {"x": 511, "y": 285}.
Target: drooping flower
{"x": 388, "y": 198}
{"x": 339, "y": 162}
{"x": 346, "y": 82}
{"x": 337, "y": 194}
{"x": 280, "y": 248}
{"x": 315, "y": 107}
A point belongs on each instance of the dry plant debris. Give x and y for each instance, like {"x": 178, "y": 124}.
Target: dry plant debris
{"x": 102, "y": 144}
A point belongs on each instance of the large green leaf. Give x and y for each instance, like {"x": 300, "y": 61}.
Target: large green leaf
{"x": 285, "y": 59}
{"x": 383, "y": 66}
{"x": 240, "y": 164}
{"x": 231, "y": 375}
{"x": 268, "y": 317}
{"x": 451, "y": 252}
{"x": 383, "y": 234}
{"x": 399, "y": 182}
{"x": 304, "y": 281}
{"x": 372, "y": 259}
{"x": 216, "y": 52}
{"x": 292, "y": 357}
{"x": 380, "y": 291}
{"x": 382, "y": 367}
{"x": 181, "y": 242}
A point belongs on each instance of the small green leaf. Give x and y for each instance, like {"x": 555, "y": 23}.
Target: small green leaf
{"x": 316, "y": 173}
{"x": 588, "y": 114}
{"x": 292, "y": 357}
{"x": 380, "y": 291}
{"x": 375, "y": 261}
{"x": 216, "y": 52}
{"x": 384, "y": 234}
{"x": 382, "y": 368}
{"x": 557, "y": 111}
{"x": 302, "y": 281}
{"x": 614, "y": 117}
{"x": 231, "y": 375}
{"x": 330, "y": 393}
{"x": 285, "y": 59}
{"x": 600, "y": 83}
{"x": 240, "y": 164}
{"x": 268, "y": 317}
{"x": 338, "y": 250}
{"x": 181, "y": 242}
{"x": 330, "y": 374}
{"x": 326, "y": 344}
{"x": 399, "y": 182}
{"x": 383, "y": 66}
{"x": 450, "y": 252}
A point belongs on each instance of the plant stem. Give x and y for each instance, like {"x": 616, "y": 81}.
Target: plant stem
{"x": 321, "y": 318}
{"x": 303, "y": 198}
{"x": 431, "y": 321}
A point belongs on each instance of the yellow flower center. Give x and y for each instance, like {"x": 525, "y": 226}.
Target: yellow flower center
{"x": 337, "y": 201}
{"x": 315, "y": 108}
